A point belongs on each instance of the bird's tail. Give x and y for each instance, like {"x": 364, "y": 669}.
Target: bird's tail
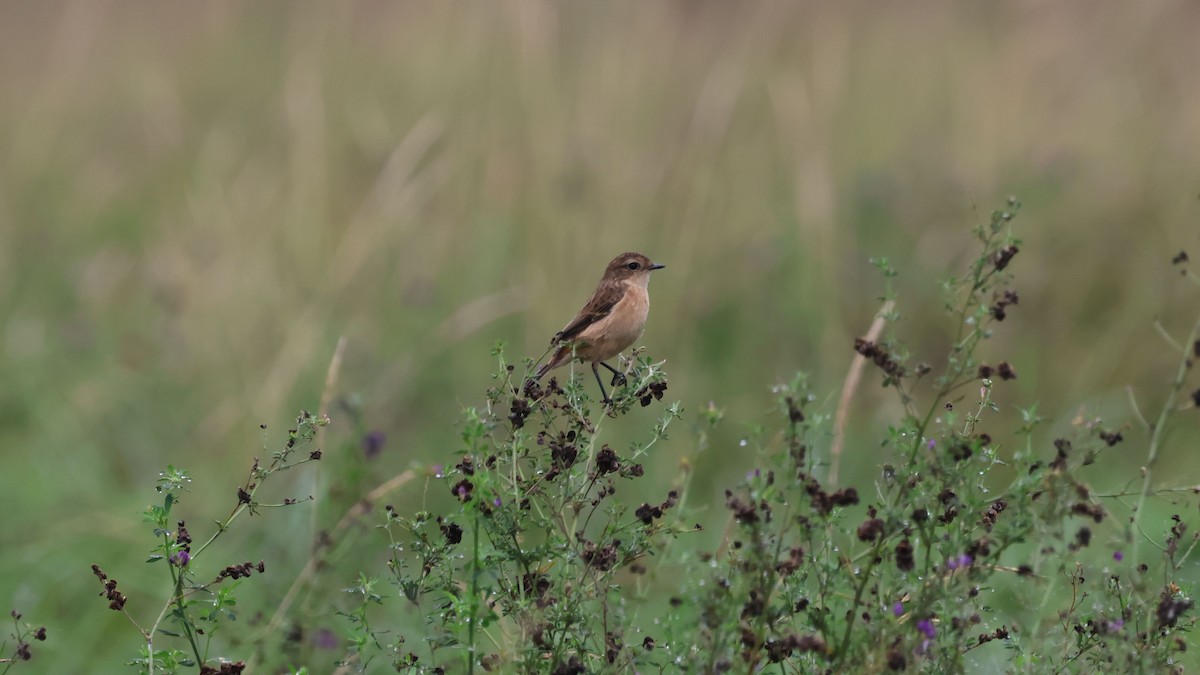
{"x": 560, "y": 357}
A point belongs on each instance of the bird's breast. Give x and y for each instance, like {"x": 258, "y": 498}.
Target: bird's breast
{"x": 621, "y": 328}
{"x": 629, "y": 315}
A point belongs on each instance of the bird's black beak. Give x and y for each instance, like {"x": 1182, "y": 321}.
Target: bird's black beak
{"x": 656, "y": 266}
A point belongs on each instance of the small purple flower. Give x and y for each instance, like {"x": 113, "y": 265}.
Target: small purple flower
{"x": 323, "y": 638}
{"x": 898, "y": 609}
{"x": 963, "y": 560}
{"x": 180, "y": 558}
{"x": 372, "y": 443}
{"x": 925, "y": 626}
{"x": 496, "y": 502}
{"x": 1116, "y": 625}
{"x": 931, "y": 444}
{"x": 1118, "y": 556}
{"x": 438, "y": 470}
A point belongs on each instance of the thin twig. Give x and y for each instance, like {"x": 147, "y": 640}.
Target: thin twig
{"x": 848, "y": 388}
{"x": 331, "y": 377}
{"x": 1137, "y": 411}
{"x": 1185, "y": 365}
{"x": 1162, "y": 332}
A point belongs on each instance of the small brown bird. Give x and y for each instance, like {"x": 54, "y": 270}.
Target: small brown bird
{"x": 610, "y": 321}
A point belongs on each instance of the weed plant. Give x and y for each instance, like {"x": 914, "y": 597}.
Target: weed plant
{"x": 200, "y": 600}
{"x": 21, "y": 635}
{"x": 970, "y": 551}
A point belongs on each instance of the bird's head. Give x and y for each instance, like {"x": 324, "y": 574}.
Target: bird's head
{"x": 633, "y": 267}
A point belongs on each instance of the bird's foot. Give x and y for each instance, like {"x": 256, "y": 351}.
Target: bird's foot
{"x": 618, "y": 379}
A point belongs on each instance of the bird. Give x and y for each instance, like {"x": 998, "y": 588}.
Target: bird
{"x": 610, "y": 321}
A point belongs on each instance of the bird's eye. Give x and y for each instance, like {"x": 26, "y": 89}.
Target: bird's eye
{"x": 633, "y": 265}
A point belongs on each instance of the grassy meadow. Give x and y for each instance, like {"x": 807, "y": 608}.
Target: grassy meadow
{"x": 199, "y": 200}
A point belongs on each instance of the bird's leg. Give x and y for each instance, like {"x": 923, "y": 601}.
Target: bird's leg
{"x": 596, "y": 372}
{"x": 618, "y": 376}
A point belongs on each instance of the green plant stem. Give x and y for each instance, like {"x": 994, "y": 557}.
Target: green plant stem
{"x": 253, "y": 483}
{"x": 858, "y": 593}
{"x": 980, "y": 275}
{"x": 474, "y": 596}
{"x": 176, "y": 601}
{"x": 240, "y": 508}
{"x": 187, "y": 625}
{"x": 973, "y": 420}
{"x": 1185, "y": 365}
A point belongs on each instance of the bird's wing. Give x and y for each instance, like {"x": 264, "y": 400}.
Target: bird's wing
{"x": 600, "y": 306}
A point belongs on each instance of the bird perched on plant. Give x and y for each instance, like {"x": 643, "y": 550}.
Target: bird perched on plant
{"x": 610, "y": 321}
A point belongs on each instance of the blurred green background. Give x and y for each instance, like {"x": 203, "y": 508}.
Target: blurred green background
{"x": 198, "y": 199}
